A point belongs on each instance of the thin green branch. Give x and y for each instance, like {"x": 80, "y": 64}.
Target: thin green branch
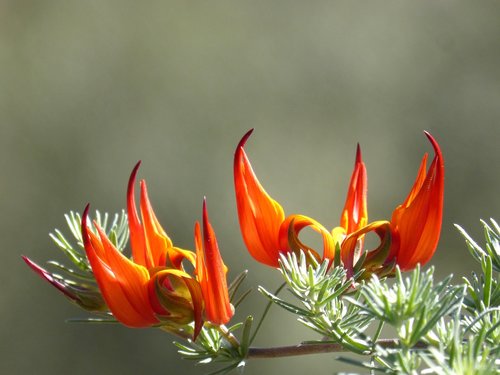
{"x": 264, "y": 314}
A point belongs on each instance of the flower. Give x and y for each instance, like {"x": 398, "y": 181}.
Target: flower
{"x": 211, "y": 273}
{"x": 412, "y": 235}
{"x": 84, "y": 293}
{"x": 416, "y": 223}
{"x": 259, "y": 215}
{"x": 409, "y": 238}
{"x": 153, "y": 288}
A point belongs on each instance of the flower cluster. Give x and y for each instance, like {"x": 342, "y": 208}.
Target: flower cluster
{"x": 408, "y": 239}
{"x": 185, "y": 292}
{"x": 153, "y": 288}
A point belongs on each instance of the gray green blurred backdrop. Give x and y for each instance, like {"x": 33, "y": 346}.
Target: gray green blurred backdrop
{"x": 87, "y": 88}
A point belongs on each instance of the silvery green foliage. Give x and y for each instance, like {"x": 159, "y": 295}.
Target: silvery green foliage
{"x": 322, "y": 308}
{"x": 116, "y": 230}
{"x": 412, "y": 305}
{"x": 483, "y": 291}
{"x": 213, "y": 345}
{"x": 492, "y": 243}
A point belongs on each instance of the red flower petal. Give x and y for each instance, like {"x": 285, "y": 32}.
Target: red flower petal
{"x": 259, "y": 215}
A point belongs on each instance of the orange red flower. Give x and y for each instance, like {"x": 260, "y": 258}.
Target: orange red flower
{"x": 259, "y": 215}
{"x": 416, "y": 223}
{"x": 82, "y": 292}
{"x": 409, "y": 238}
{"x": 153, "y": 288}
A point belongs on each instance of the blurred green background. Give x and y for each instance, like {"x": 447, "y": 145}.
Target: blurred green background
{"x": 87, "y": 88}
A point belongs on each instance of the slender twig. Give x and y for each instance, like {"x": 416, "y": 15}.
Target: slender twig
{"x": 315, "y": 348}
{"x": 268, "y": 306}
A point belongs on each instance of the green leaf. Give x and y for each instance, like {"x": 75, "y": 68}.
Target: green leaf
{"x": 287, "y": 306}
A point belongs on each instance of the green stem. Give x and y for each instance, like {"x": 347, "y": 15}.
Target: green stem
{"x": 379, "y": 331}
{"x": 268, "y": 306}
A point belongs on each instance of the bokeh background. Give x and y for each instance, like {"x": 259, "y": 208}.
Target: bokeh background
{"x": 87, "y": 88}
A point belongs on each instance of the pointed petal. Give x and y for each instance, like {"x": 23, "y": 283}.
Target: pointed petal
{"x": 213, "y": 282}
{"x": 418, "y": 221}
{"x": 157, "y": 241}
{"x": 46, "y": 275}
{"x": 137, "y": 237}
{"x": 123, "y": 284}
{"x": 151, "y": 246}
{"x": 355, "y": 214}
{"x": 419, "y": 180}
{"x": 85, "y": 295}
{"x": 259, "y": 215}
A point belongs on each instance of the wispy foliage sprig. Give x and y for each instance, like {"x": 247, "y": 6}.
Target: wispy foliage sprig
{"x": 115, "y": 227}
{"x": 319, "y": 290}
{"x": 411, "y": 305}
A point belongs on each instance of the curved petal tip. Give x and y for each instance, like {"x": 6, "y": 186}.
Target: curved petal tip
{"x": 85, "y": 213}
{"x": 434, "y": 143}
{"x": 133, "y": 175}
{"x": 244, "y": 139}
{"x": 85, "y": 233}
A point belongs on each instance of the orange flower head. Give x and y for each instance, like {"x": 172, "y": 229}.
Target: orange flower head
{"x": 416, "y": 223}
{"x": 410, "y": 238}
{"x": 154, "y": 289}
{"x": 266, "y": 232}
